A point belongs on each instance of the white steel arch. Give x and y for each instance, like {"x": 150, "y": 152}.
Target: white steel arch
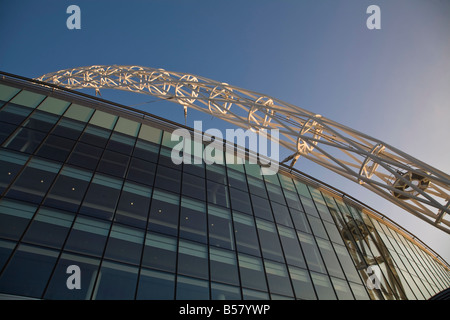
{"x": 413, "y": 185}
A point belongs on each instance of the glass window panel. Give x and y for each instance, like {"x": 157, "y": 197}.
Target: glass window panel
{"x": 121, "y": 143}
{"x": 317, "y": 227}
{"x": 311, "y": 252}
{"x": 359, "y": 291}
{"x": 300, "y": 221}
{"x": 5, "y": 130}
{"x": 41, "y": 121}
{"x": 252, "y": 272}
{"x": 53, "y": 105}
{"x": 127, "y": 126}
{"x": 56, "y": 148}
{"x": 193, "y": 220}
{"x": 113, "y": 163}
{"x": 68, "y": 189}
{"x": 14, "y": 217}
{"x": 302, "y": 189}
{"x": 14, "y": 114}
{"x": 95, "y": 136}
{"x": 249, "y": 294}
{"x": 6, "y": 248}
{"x": 103, "y": 120}
{"x": 342, "y": 289}
{"x": 192, "y": 259}
{"x": 146, "y": 151}
{"x": 150, "y": 134}
{"x": 240, "y": 201}
{"x": 88, "y": 236}
{"x": 291, "y": 247}
{"x": 245, "y": 233}
{"x": 168, "y": 179}
{"x": 221, "y": 291}
{"x": 165, "y": 159}
{"x": 286, "y": 182}
{"x": 309, "y": 207}
{"x": 57, "y": 288}
{"x": 141, "y": 171}
{"x": 347, "y": 263}
{"x": 216, "y": 173}
{"x": 192, "y": 289}
{"x": 49, "y": 228}
{"x": 218, "y": 194}
{"x": 282, "y": 215}
{"x": 133, "y": 205}
{"x": 28, "y": 271}
{"x": 278, "y": 279}
{"x": 160, "y": 252}
{"x": 79, "y": 113}
{"x": 116, "y": 281}
{"x": 101, "y": 197}
{"x": 125, "y": 244}
{"x": 237, "y": 180}
{"x": 34, "y": 181}
{"x": 223, "y": 266}
{"x": 164, "y": 212}
{"x": 301, "y": 281}
{"x": 85, "y": 155}
{"x": 7, "y": 92}
{"x": 270, "y": 244}
{"x": 275, "y": 193}
{"x": 10, "y": 165}
{"x": 195, "y": 169}
{"x": 323, "y": 286}
{"x": 261, "y": 208}
{"x": 193, "y": 186}
{"x": 25, "y": 140}
{"x": 293, "y": 200}
{"x": 156, "y": 285}
{"x": 257, "y": 186}
{"x": 68, "y": 128}
{"x": 28, "y": 99}
{"x": 333, "y": 232}
{"x": 220, "y": 227}
{"x": 330, "y": 258}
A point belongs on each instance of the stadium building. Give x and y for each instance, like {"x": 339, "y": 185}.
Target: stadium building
{"x": 89, "y": 183}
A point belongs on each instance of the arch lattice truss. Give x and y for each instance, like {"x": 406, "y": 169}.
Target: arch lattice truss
{"x": 413, "y": 185}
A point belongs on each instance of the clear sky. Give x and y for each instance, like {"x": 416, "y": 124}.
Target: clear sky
{"x": 392, "y": 83}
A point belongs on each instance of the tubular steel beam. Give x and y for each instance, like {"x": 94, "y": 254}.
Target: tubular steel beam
{"x": 413, "y": 185}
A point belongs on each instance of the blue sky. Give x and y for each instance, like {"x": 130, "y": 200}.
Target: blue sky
{"x": 393, "y": 83}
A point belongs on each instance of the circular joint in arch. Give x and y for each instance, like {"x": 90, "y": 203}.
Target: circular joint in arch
{"x": 413, "y": 178}
{"x": 313, "y": 128}
{"x": 366, "y": 170}
{"x": 186, "y": 87}
{"x": 257, "y": 122}
{"x": 218, "y": 102}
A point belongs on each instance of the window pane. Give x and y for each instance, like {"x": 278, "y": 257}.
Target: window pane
{"x": 192, "y": 289}
{"x": 155, "y": 285}
{"x": 216, "y": 173}
{"x": 5, "y": 130}
{"x": 240, "y": 201}
{"x": 237, "y": 180}
{"x": 257, "y": 186}
{"x": 146, "y": 151}
{"x": 151, "y": 134}
{"x": 164, "y": 212}
{"x": 40, "y": 121}
{"x": 221, "y": 291}
{"x": 53, "y": 105}
{"x": 218, "y": 194}
{"x": 14, "y": 218}
{"x": 57, "y": 288}
{"x": 168, "y": 179}
{"x": 121, "y": 143}
{"x": 311, "y": 252}
{"x": 125, "y": 244}
{"x": 95, "y": 136}
{"x": 223, "y": 266}
{"x": 278, "y": 278}
{"x": 88, "y": 236}
{"x": 317, "y": 227}
{"x": 113, "y": 163}
{"x": 56, "y": 148}
{"x": 85, "y": 155}
{"x": 342, "y": 289}
{"x": 220, "y": 227}
{"x": 261, "y": 208}
{"x": 28, "y": 271}
{"x": 101, "y": 197}
{"x": 302, "y": 284}
{"x": 10, "y": 165}
{"x": 330, "y": 258}
{"x": 133, "y": 205}
{"x": 275, "y": 193}
{"x": 68, "y": 189}
{"x": 193, "y": 186}
{"x": 28, "y": 99}
{"x": 7, "y": 92}
{"x": 300, "y": 221}
{"x": 14, "y": 114}
{"x": 249, "y": 294}
{"x": 49, "y": 228}
{"x": 141, "y": 171}
{"x": 282, "y": 215}
{"x": 34, "y": 181}
{"x": 347, "y": 263}
{"x": 116, "y": 281}
{"x": 323, "y": 286}
{"x": 246, "y": 235}
{"x": 79, "y": 113}
{"x": 270, "y": 244}
{"x": 103, "y": 119}
{"x": 25, "y": 140}
{"x": 291, "y": 247}
{"x": 193, "y": 259}
{"x": 160, "y": 252}
{"x": 6, "y": 248}
{"x": 252, "y": 272}
{"x": 193, "y": 220}
{"x": 127, "y": 127}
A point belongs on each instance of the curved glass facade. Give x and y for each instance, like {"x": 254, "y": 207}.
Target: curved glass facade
{"x": 91, "y": 184}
